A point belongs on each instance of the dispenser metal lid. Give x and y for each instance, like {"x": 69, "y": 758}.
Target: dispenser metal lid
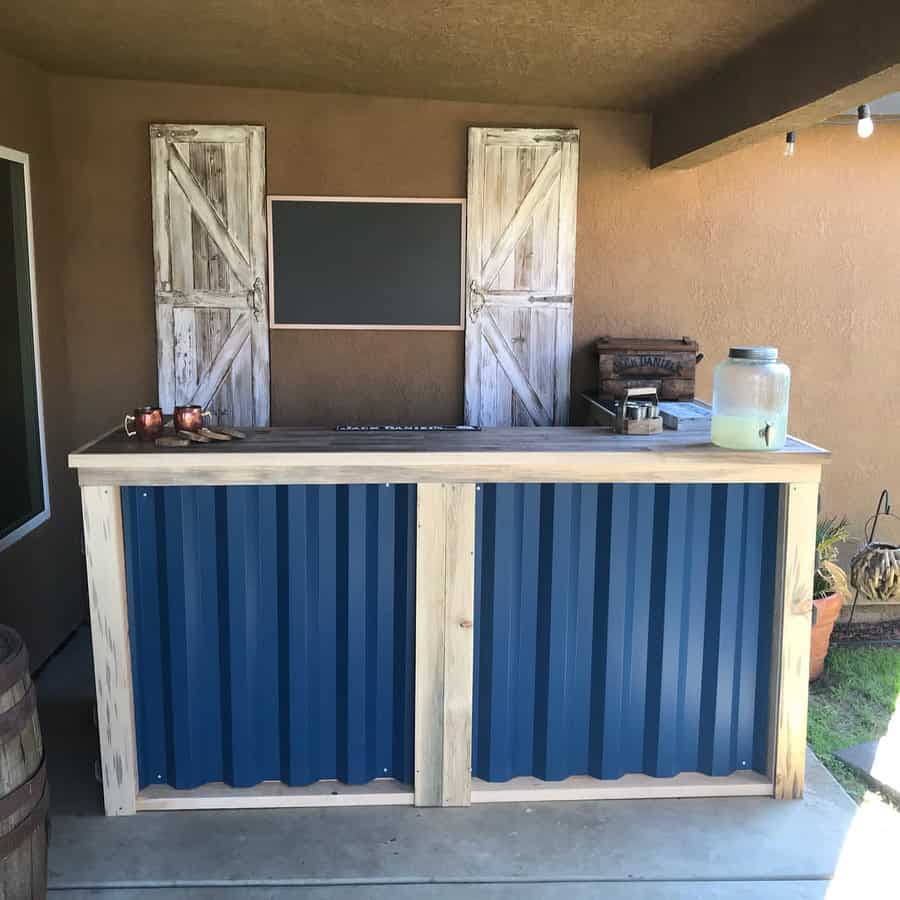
{"x": 760, "y": 354}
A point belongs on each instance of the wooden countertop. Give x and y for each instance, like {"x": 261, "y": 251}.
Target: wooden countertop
{"x": 325, "y": 456}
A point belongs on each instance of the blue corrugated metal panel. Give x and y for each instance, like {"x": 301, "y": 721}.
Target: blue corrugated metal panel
{"x": 272, "y": 630}
{"x": 622, "y": 628}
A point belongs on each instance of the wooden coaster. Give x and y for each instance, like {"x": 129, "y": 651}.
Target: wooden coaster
{"x": 194, "y": 436}
{"x": 214, "y": 435}
{"x": 232, "y": 432}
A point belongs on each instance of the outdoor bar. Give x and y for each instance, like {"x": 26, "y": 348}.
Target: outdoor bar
{"x": 315, "y": 617}
{"x": 413, "y": 422}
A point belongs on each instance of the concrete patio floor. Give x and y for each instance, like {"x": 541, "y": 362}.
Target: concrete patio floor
{"x": 822, "y": 846}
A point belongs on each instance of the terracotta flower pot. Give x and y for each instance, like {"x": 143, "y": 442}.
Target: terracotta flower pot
{"x": 827, "y": 610}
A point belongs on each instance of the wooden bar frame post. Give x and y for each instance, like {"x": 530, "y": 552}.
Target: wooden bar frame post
{"x": 105, "y": 555}
{"x": 445, "y": 597}
{"x": 789, "y": 683}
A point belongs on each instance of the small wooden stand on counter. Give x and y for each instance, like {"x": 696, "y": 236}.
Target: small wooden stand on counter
{"x": 308, "y": 617}
{"x": 693, "y": 416}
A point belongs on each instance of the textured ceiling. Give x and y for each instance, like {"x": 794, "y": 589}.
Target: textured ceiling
{"x": 616, "y": 54}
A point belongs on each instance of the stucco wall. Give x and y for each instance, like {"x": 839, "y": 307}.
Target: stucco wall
{"x": 749, "y": 249}
{"x": 41, "y": 576}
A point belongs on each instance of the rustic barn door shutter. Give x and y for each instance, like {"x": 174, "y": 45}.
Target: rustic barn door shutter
{"x": 520, "y": 252}
{"x": 209, "y": 247}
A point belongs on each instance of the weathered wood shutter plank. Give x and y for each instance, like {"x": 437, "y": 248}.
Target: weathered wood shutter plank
{"x": 237, "y": 211}
{"x": 524, "y": 249}
{"x": 520, "y": 220}
{"x": 512, "y": 369}
{"x": 208, "y": 216}
{"x": 209, "y": 235}
{"x": 217, "y": 372}
{"x": 181, "y": 251}
{"x": 520, "y": 252}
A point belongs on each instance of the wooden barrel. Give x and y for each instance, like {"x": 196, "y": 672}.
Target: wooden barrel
{"x": 23, "y": 779}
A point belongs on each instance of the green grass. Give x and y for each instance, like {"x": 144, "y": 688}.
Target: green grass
{"x": 852, "y": 702}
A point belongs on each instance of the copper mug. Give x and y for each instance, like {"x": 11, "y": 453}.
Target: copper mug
{"x": 190, "y": 418}
{"x": 148, "y": 423}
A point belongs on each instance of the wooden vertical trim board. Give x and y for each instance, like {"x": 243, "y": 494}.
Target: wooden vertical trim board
{"x": 259, "y": 334}
{"x": 165, "y": 312}
{"x": 565, "y": 277}
{"x": 445, "y": 596}
{"x": 789, "y": 682}
{"x": 165, "y": 353}
{"x": 568, "y": 202}
{"x": 777, "y": 627}
{"x": 459, "y": 612}
{"x": 105, "y": 556}
{"x": 429, "y": 674}
{"x": 159, "y": 165}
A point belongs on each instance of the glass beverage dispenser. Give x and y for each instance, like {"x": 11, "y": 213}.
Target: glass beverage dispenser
{"x": 750, "y": 400}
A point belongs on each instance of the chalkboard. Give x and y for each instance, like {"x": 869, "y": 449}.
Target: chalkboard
{"x": 337, "y": 262}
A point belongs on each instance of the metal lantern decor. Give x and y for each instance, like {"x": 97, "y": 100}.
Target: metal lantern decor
{"x": 875, "y": 569}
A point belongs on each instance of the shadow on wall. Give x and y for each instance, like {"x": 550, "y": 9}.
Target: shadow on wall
{"x": 42, "y": 576}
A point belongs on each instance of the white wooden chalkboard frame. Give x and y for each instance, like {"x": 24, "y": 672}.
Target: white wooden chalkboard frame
{"x": 459, "y": 201}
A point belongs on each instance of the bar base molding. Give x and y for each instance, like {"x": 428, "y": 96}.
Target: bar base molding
{"x": 389, "y": 792}
{"x": 275, "y": 794}
{"x": 628, "y": 787}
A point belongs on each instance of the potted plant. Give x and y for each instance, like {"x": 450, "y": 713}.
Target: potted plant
{"x": 829, "y": 589}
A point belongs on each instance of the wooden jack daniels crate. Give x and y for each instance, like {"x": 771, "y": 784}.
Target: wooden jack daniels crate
{"x": 666, "y": 364}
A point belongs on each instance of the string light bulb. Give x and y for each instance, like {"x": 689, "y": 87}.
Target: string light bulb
{"x": 790, "y": 141}
{"x": 864, "y": 124}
